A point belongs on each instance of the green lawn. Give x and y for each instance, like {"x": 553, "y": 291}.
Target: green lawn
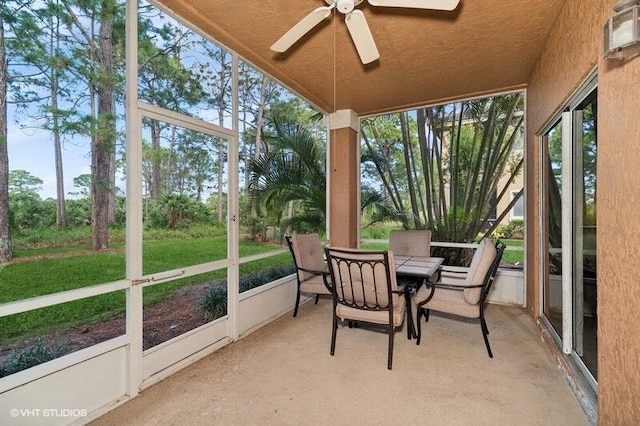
{"x": 23, "y": 280}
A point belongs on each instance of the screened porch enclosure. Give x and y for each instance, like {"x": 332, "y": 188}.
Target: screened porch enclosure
{"x": 198, "y": 84}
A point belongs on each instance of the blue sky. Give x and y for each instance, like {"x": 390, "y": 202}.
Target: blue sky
{"x": 32, "y": 150}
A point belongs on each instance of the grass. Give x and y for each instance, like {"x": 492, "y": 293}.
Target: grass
{"x": 23, "y": 280}
{"x": 513, "y": 256}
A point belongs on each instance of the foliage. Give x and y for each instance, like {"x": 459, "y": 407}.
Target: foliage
{"x": 264, "y": 276}
{"x": 513, "y": 229}
{"x": 441, "y": 167}
{"x": 22, "y": 182}
{"x": 292, "y": 171}
{"x": 38, "y": 353}
{"x": 256, "y": 227}
{"x": 214, "y": 301}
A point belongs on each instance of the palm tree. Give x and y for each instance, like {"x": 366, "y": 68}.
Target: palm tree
{"x": 292, "y": 171}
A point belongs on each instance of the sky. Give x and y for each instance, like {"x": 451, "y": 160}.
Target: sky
{"x": 32, "y": 150}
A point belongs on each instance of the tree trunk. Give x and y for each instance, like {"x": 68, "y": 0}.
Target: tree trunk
{"x": 54, "y": 47}
{"x": 61, "y": 213}
{"x": 221, "y": 153}
{"x": 112, "y": 185}
{"x": 105, "y": 139}
{"x": 406, "y": 142}
{"x": 168, "y": 186}
{"x": 154, "y": 190}
{"x": 6, "y": 252}
{"x": 258, "y": 141}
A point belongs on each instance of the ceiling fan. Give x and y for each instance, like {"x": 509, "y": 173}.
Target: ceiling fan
{"x": 356, "y": 22}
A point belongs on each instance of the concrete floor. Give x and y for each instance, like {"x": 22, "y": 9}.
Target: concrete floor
{"x": 283, "y": 375}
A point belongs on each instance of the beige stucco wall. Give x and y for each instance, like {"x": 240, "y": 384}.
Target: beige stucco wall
{"x": 573, "y": 50}
{"x": 619, "y": 242}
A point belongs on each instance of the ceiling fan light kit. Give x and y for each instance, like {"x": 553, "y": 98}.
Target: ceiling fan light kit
{"x": 355, "y": 21}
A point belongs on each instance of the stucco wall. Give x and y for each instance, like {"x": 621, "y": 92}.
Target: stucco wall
{"x": 619, "y": 242}
{"x": 573, "y": 50}
{"x": 343, "y": 189}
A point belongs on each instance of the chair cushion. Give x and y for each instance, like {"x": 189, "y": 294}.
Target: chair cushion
{"x": 480, "y": 265}
{"x": 315, "y": 285}
{"x": 449, "y": 301}
{"x": 376, "y": 317}
{"x": 410, "y": 243}
{"x": 307, "y": 249}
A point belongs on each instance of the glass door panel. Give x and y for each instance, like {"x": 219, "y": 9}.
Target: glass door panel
{"x": 552, "y": 289}
{"x": 585, "y": 274}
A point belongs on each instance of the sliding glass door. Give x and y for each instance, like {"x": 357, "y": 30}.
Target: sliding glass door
{"x": 569, "y": 274}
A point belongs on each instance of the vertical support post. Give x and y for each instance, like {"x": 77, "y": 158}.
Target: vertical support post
{"x": 233, "y": 212}
{"x": 133, "y": 202}
{"x": 344, "y": 179}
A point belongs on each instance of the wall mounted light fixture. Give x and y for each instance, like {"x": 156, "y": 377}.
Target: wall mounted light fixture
{"x": 622, "y": 30}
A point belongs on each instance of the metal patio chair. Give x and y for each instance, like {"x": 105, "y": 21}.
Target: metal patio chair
{"x": 462, "y": 291}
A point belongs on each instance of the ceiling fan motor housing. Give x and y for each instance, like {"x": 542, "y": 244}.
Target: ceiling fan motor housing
{"x": 344, "y": 6}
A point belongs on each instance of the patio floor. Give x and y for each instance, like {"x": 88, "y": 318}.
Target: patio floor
{"x": 283, "y": 375}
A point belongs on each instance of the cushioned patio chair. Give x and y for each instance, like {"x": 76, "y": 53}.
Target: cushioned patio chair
{"x": 365, "y": 292}
{"x": 410, "y": 242}
{"x": 462, "y": 291}
{"x": 415, "y": 242}
{"x": 311, "y": 268}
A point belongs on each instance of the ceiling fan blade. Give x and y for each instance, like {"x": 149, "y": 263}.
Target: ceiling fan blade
{"x": 301, "y": 28}
{"x": 361, "y": 35}
{"x": 417, "y": 4}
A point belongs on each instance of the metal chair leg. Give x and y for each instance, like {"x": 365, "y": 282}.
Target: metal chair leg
{"x": 334, "y": 332}
{"x": 295, "y": 310}
{"x": 390, "y": 355}
{"x": 485, "y": 332}
{"x": 419, "y": 331}
{"x": 317, "y": 297}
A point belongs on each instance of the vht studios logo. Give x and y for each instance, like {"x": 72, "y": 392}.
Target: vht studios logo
{"x": 48, "y": 412}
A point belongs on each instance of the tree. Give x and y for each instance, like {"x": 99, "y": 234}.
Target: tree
{"x": 165, "y": 81}
{"x": 452, "y": 158}
{"x": 38, "y": 43}
{"x": 23, "y": 182}
{"x": 83, "y": 183}
{"x": 105, "y": 133}
{"x": 218, "y": 85}
{"x": 6, "y": 251}
{"x": 292, "y": 171}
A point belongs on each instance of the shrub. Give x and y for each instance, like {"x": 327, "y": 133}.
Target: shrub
{"x": 29, "y": 357}
{"x": 513, "y": 229}
{"x": 256, "y": 227}
{"x": 214, "y": 301}
{"x": 256, "y": 279}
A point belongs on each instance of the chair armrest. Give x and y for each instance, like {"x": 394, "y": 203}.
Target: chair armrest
{"x": 454, "y": 269}
{"x": 451, "y": 286}
{"x": 314, "y": 271}
{"x": 326, "y": 276}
